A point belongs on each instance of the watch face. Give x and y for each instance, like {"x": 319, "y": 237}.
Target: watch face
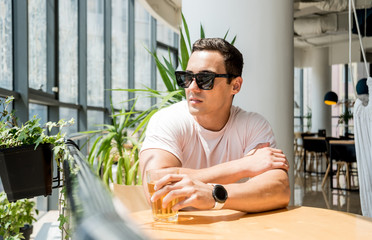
{"x": 219, "y": 193}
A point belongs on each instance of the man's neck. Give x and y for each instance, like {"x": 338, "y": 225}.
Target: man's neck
{"x": 215, "y": 123}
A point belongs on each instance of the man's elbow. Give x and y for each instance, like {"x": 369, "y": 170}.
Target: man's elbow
{"x": 284, "y": 192}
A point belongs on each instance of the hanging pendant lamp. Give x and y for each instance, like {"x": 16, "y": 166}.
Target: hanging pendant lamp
{"x": 330, "y": 98}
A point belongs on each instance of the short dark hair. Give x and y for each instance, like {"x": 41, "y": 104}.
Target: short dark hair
{"x": 231, "y": 55}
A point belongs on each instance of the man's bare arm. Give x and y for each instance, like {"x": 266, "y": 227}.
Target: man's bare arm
{"x": 271, "y": 190}
{"x": 267, "y": 191}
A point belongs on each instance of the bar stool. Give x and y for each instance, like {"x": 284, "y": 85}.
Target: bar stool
{"x": 343, "y": 153}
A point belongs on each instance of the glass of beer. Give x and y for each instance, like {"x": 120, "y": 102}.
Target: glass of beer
{"x": 158, "y": 212}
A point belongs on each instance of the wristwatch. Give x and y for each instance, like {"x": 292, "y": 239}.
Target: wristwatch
{"x": 219, "y": 194}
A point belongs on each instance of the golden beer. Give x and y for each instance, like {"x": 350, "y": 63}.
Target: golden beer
{"x": 159, "y": 213}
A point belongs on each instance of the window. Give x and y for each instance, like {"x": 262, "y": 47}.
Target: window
{"x": 68, "y": 51}
{"x": 40, "y": 111}
{"x": 338, "y": 86}
{"x": 164, "y": 34}
{"x": 298, "y": 118}
{"x": 344, "y": 86}
{"x": 119, "y": 52}
{"x": 37, "y": 44}
{"x": 302, "y": 100}
{"x": 142, "y": 73}
{"x": 6, "y": 48}
{"x": 95, "y": 52}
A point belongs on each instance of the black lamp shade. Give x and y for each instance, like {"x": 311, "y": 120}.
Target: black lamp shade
{"x": 362, "y": 87}
{"x": 330, "y": 98}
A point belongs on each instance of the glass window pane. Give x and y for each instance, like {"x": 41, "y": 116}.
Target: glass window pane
{"x": 67, "y": 114}
{"x": 297, "y": 100}
{"x": 95, "y": 53}
{"x": 164, "y": 34}
{"x": 37, "y": 44}
{"x": 119, "y": 51}
{"x": 6, "y": 47}
{"x": 142, "y": 58}
{"x": 307, "y": 99}
{"x": 40, "y": 111}
{"x": 95, "y": 118}
{"x": 338, "y": 86}
{"x": 68, "y": 51}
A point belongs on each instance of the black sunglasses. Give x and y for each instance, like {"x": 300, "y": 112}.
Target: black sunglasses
{"x": 204, "y": 80}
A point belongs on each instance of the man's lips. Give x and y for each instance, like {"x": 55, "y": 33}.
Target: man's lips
{"x": 194, "y": 100}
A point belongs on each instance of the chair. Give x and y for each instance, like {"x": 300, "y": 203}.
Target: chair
{"x": 317, "y": 148}
{"x": 343, "y": 153}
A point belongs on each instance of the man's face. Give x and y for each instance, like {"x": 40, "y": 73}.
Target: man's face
{"x": 212, "y": 103}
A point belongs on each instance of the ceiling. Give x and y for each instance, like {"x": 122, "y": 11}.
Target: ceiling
{"x": 320, "y": 23}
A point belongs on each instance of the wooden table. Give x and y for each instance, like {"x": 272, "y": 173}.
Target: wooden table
{"x": 291, "y": 223}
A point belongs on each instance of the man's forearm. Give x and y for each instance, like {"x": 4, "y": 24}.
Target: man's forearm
{"x": 225, "y": 173}
{"x": 266, "y": 191}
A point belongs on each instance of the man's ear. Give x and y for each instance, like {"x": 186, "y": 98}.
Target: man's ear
{"x": 237, "y": 84}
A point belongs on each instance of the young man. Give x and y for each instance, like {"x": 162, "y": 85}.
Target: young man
{"x": 214, "y": 144}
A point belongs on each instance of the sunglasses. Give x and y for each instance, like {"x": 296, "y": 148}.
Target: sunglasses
{"x": 204, "y": 80}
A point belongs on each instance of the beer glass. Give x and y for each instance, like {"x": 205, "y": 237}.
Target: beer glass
{"x": 158, "y": 212}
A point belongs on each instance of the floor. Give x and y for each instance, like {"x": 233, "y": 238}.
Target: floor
{"x": 309, "y": 192}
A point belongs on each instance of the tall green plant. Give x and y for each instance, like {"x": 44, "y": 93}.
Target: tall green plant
{"x": 166, "y": 70}
{"x": 115, "y": 146}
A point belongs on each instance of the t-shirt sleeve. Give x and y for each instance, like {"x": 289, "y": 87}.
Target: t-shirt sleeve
{"x": 162, "y": 133}
{"x": 260, "y": 131}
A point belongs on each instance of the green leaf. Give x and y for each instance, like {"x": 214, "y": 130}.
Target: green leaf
{"x": 119, "y": 171}
{"x": 92, "y": 153}
{"x": 224, "y": 37}
{"x": 162, "y": 71}
{"x": 186, "y": 30}
{"x": 233, "y": 41}
{"x": 184, "y": 53}
{"x": 202, "y": 33}
{"x": 131, "y": 173}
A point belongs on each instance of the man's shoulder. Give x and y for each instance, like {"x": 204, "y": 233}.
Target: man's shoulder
{"x": 242, "y": 115}
{"x": 174, "y": 112}
{"x": 174, "y": 109}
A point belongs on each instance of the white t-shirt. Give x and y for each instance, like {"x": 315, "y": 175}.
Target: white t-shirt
{"x": 174, "y": 129}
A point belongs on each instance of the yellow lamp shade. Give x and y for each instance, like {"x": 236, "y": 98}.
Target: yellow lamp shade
{"x": 330, "y": 98}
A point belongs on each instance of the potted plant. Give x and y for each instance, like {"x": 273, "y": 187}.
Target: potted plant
{"x": 345, "y": 117}
{"x": 16, "y": 218}
{"x": 26, "y": 154}
{"x": 115, "y": 147}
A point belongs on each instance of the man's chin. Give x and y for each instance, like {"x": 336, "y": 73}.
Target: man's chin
{"x": 193, "y": 110}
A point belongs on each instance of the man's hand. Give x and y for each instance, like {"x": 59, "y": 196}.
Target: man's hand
{"x": 263, "y": 158}
{"x": 191, "y": 193}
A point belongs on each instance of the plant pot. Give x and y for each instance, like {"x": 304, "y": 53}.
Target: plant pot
{"x": 26, "y": 172}
{"x": 27, "y": 231}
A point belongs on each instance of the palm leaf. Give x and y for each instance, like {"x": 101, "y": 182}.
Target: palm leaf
{"x": 119, "y": 171}
{"x": 226, "y": 34}
{"x": 132, "y": 173}
{"x": 202, "y": 33}
{"x": 233, "y": 41}
{"x": 184, "y": 53}
{"x": 186, "y": 30}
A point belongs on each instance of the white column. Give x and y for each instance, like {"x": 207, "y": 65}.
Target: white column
{"x": 321, "y": 83}
{"x": 264, "y": 32}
